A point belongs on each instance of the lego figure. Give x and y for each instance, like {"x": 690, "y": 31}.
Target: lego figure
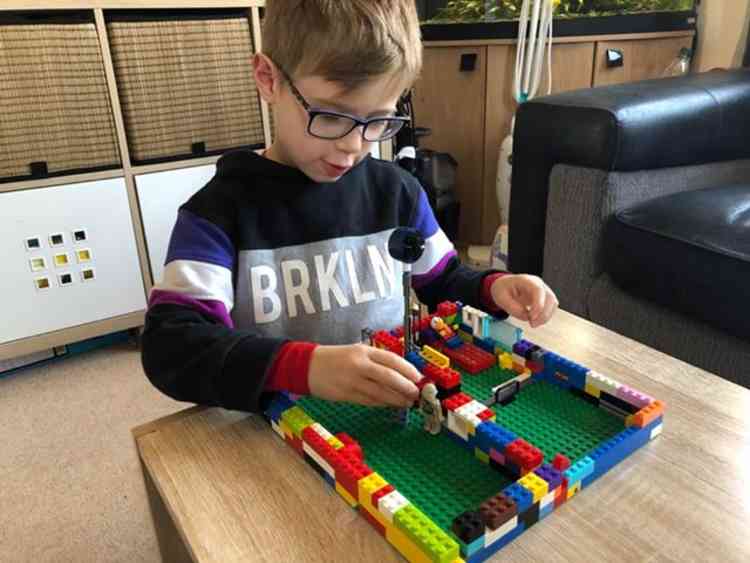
{"x": 439, "y": 326}
{"x": 431, "y": 409}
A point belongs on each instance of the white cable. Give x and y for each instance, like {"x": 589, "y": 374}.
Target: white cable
{"x": 523, "y": 22}
{"x": 531, "y": 44}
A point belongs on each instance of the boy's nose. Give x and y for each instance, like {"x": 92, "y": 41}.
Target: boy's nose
{"x": 352, "y": 143}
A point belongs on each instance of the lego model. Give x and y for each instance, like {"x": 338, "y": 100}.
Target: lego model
{"x": 431, "y": 409}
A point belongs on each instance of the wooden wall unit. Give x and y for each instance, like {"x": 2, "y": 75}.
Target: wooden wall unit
{"x": 470, "y": 115}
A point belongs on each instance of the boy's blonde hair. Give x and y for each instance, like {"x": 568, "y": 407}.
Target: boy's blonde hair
{"x": 344, "y": 41}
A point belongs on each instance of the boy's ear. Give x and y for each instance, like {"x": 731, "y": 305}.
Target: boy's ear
{"x": 267, "y": 78}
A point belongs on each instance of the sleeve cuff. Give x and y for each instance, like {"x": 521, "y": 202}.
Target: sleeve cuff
{"x": 485, "y": 295}
{"x": 289, "y": 370}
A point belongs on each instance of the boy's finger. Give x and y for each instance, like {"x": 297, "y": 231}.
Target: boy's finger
{"x": 397, "y": 363}
{"x": 381, "y": 395}
{"x": 538, "y": 297}
{"x": 392, "y": 380}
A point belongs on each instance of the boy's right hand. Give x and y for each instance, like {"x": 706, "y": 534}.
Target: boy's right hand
{"x": 362, "y": 374}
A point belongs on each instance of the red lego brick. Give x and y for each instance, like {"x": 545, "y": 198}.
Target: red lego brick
{"x": 562, "y": 492}
{"x": 486, "y": 414}
{"x": 560, "y": 462}
{"x": 319, "y": 445}
{"x": 446, "y": 309}
{"x": 455, "y": 401}
{"x": 444, "y": 378}
{"x": 350, "y": 445}
{"x": 535, "y": 367}
{"x": 524, "y": 455}
{"x": 296, "y": 443}
{"x": 380, "y": 493}
{"x": 468, "y": 357}
{"x": 385, "y": 339}
{"x": 349, "y": 469}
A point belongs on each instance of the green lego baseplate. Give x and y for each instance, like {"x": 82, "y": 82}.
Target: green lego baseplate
{"x": 455, "y": 479}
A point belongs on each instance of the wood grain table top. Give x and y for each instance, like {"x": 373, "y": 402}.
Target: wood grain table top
{"x": 236, "y": 492}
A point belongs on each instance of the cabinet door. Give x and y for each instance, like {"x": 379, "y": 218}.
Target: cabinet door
{"x": 451, "y": 103}
{"x": 642, "y": 59}
{"x": 69, "y": 258}
{"x": 160, "y": 194}
{"x": 571, "y": 69}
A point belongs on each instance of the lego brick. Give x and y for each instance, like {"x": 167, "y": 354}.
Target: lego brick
{"x": 380, "y": 493}
{"x": 350, "y": 500}
{"x": 372, "y": 520}
{"x": 580, "y": 470}
{"x": 405, "y": 546}
{"x": 327, "y": 477}
{"x": 523, "y": 454}
{"x": 561, "y": 494}
{"x": 655, "y": 431}
{"x": 369, "y": 485}
{"x": 552, "y": 476}
{"x": 444, "y": 378}
{"x": 276, "y": 428}
{"x": 573, "y": 489}
{"x": 435, "y": 357}
{"x": 469, "y": 357}
{"x": 548, "y": 499}
{"x": 391, "y": 503}
{"x": 467, "y": 414}
{"x": 335, "y": 443}
{"x": 520, "y": 495}
{"x": 468, "y": 526}
{"x": 633, "y": 397}
{"x": 646, "y": 415}
{"x": 414, "y": 358}
{"x": 351, "y": 446}
{"x": 546, "y": 510}
{"x": 489, "y": 551}
{"x": 593, "y": 391}
{"x": 446, "y": 309}
{"x": 602, "y": 382}
{"x": 535, "y": 484}
{"x": 560, "y": 462}
{"x": 456, "y": 401}
{"x": 530, "y": 516}
{"x": 456, "y": 425}
{"x": 491, "y": 536}
{"x": 617, "y": 403}
{"x": 297, "y": 420}
{"x": 497, "y": 510}
{"x": 426, "y": 535}
{"x": 481, "y": 456}
{"x": 280, "y": 403}
{"x": 564, "y": 372}
{"x": 505, "y": 361}
{"x": 323, "y": 464}
{"x": 490, "y": 435}
{"x": 469, "y": 549}
{"x": 504, "y": 332}
{"x": 486, "y": 344}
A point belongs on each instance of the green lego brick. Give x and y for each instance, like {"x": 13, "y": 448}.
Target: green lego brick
{"x": 434, "y": 542}
{"x": 297, "y": 420}
{"x": 480, "y": 385}
{"x": 433, "y": 472}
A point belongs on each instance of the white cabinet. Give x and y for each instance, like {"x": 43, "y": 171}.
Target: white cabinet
{"x": 160, "y": 194}
{"x": 69, "y": 257}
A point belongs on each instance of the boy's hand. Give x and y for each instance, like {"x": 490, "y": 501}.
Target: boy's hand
{"x": 362, "y": 374}
{"x": 525, "y": 297}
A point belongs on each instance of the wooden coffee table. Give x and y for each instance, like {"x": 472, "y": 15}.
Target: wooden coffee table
{"x": 223, "y": 487}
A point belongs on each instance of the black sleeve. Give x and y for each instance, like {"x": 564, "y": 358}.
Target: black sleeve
{"x": 192, "y": 357}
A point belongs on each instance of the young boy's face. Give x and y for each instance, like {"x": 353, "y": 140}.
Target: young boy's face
{"x": 320, "y": 159}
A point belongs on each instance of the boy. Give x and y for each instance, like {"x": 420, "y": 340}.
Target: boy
{"x": 276, "y": 265}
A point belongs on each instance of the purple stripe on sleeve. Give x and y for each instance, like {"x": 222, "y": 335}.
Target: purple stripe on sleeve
{"x": 424, "y": 218}
{"x": 194, "y": 238}
{"x": 211, "y": 307}
{"x": 420, "y": 280}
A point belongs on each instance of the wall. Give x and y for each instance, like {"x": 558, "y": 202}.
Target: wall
{"x": 722, "y": 34}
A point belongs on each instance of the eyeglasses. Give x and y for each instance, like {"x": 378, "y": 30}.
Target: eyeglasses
{"x": 331, "y": 125}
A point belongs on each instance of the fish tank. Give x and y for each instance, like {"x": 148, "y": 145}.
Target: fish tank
{"x": 498, "y": 19}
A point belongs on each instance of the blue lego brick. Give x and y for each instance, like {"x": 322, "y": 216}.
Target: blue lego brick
{"x": 570, "y": 373}
{"x": 614, "y": 450}
{"x": 467, "y": 550}
{"x": 521, "y": 495}
{"x": 279, "y": 404}
{"x": 428, "y": 336}
{"x": 486, "y": 344}
{"x": 549, "y": 474}
{"x": 487, "y": 552}
{"x": 415, "y": 359}
{"x": 521, "y": 347}
{"x": 466, "y": 328}
{"x": 579, "y": 470}
{"x": 505, "y": 333}
{"x": 470, "y": 444}
{"x": 490, "y": 435}
{"x": 454, "y": 342}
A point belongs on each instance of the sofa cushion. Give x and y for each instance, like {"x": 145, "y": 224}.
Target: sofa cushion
{"x": 689, "y": 251}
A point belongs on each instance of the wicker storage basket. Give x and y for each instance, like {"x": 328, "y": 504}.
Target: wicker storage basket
{"x": 55, "y": 112}
{"x": 185, "y": 82}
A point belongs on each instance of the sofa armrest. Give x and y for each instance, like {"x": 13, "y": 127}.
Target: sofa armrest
{"x": 684, "y": 121}
{"x": 580, "y": 203}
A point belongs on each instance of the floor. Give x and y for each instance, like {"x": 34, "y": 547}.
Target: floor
{"x": 71, "y": 487}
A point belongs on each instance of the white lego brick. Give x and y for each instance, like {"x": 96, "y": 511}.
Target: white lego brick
{"x": 656, "y": 430}
{"x": 602, "y": 382}
{"x": 491, "y": 536}
{"x": 547, "y": 499}
{"x": 389, "y": 504}
{"x": 467, "y": 415}
{"x": 325, "y": 434}
{"x": 319, "y": 460}
{"x": 456, "y": 425}
{"x": 277, "y": 428}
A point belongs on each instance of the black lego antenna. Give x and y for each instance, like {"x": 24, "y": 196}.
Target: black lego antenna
{"x": 406, "y": 245}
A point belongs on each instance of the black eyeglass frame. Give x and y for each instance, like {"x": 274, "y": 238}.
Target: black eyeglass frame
{"x": 312, "y": 112}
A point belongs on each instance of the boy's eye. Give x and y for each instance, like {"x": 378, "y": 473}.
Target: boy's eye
{"x": 330, "y": 119}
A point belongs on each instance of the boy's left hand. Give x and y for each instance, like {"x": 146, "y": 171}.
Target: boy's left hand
{"x": 525, "y": 297}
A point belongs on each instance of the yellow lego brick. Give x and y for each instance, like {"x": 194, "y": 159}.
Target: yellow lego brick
{"x": 535, "y": 484}
{"x": 297, "y": 420}
{"x": 481, "y": 456}
{"x": 505, "y": 361}
{"x": 366, "y": 486}
{"x": 405, "y": 546}
{"x": 574, "y": 489}
{"x": 335, "y": 442}
{"x": 593, "y": 391}
{"x": 435, "y": 357}
{"x": 350, "y": 500}
{"x": 285, "y": 428}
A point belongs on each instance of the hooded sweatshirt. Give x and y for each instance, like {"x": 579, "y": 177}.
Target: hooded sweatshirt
{"x": 263, "y": 262}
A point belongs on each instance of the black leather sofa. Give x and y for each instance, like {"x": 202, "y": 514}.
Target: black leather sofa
{"x": 633, "y": 202}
